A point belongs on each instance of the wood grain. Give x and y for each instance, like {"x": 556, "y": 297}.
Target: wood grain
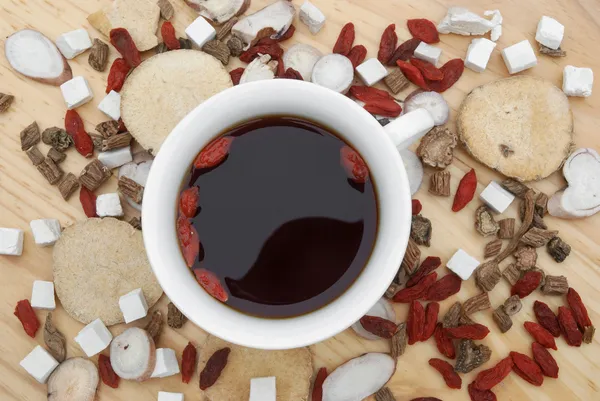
{"x": 25, "y": 195}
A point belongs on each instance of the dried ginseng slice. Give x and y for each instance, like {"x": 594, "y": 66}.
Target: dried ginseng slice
{"x": 431, "y": 101}
{"x": 302, "y": 58}
{"x": 76, "y": 379}
{"x": 334, "y": 71}
{"x": 382, "y": 309}
{"x": 133, "y": 354}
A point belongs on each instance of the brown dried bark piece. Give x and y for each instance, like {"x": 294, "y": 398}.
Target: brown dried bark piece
{"x": 185, "y": 43}
{"x": 68, "y": 185}
{"x": 465, "y": 320}
{"x": 552, "y": 52}
{"x": 108, "y": 128}
{"x": 516, "y": 188}
{"x": 537, "y": 237}
{"x": 485, "y": 224}
{"x": 57, "y": 138}
{"x": 225, "y": 29}
{"x": 162, "y": 48}
{"x": 437, "y": 147}
{"x": 401, "y": 278}
{"x": 384, "y": 394}
{"x": 131, "y": 189}
{"x": 399, "y": 341}
{"x": 502, "y": 319}
{"x": 98, "y": 58}
{"x": 440, "y": 183}
{"x": 477, "y": 303}
{"x": 213, "y": 368}
{"x": 555, "y": 285}
{"x": 154, "y": 326}
{"x": 471, "y": 356}
{"x": 116, "y": 141}
{"x": 5, "y": 101}
{"x": 412, "y": 257}
{"x": 452, "y": 316}
{"x": 588, "y": 334}
{"x": 236, "y": 46}
{"x": 558, "y": 249}
{"x": 55, "y": 341}
{"x": 512, "y": 274}
{"x": 420, "y": 230}
{"x": 35, "y": 155}
{"x": 175, "y": 319}
{"x": 97, "y": 141}
{"x": 50, "y": 171}
{"x": 56, "y": 156}
{"x": 218, "y": 49}
{"x": 166, "y": 9}
{"x": 507, "y": 228}
{"x": 541, "y": 204}
{"x": 538, "y": 219}
{"x": 526, "y": 257}
{"x": 512, "y": 305}
{"x": 396, "y": 81}
{"x": 136, "y": 222}
{"x": 94, "y": 174}
{"x": 487, "y": 275}
{"x": 528, "y": 217}
{"x": 30, "y": 136}
{"x": 392, "y": 290}
{"x": 492, "y": 248}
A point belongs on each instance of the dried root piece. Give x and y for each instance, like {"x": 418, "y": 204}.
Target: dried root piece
{"x": 485, "y": 224}
{"x": 558, "y": 249}
{"x": 552, "y": 52}
{"x": 385, "y": 394}
{"x": 55, "y": 341}
{"x": 30, "y": 136}
{"x": 452, "y": 317}
{"x": 555, "y": 285}
{"x": 507, "y": 228}
{"x": 487, "y": 275}
{"x": 136, "y": 222}
{"x": 527, "y": 219}
{"x": 541, "y": 204}
{"x": 392, "y": 290}
{"x": 225, "y": 29}
{"x": 166, "y": 9}
{"x": 98, "y": 58}
{"x": 175, "y": 319}
{"x": 537, "y": 237}
{"x": 50, "y": 171}
{"x": 526, "y": 257}
{"x": 396, "y": 81}
{"x": 154, "y": 326}
{"x": 465, "y": 320}
{"x": 5, "y": 102}
{"x": 412, "y": 257}
{"x": 76, "y": 379}
{"x": 56, "y": 156}
{"x": 217, "y": 49}
{"x": 220, "y": 11}
{"x": 35, "y": 155}
{"x": 399, "y": 341}
{"x": 107, "y": 128}
{"x": 440, "y": 183}
{"x": 516, "y": 188}
{"x": 437, "y": 147}
{"x": 492, "y": 248}
{"x": 68, "y": 185}
{"x": 259, "y": 69}
{"x": 588, "y": 334}
{"x": 236, "y": 46}
{"x": 471, "y": 356}
{"x": 512, "y": 274}
{"x": 512, "y": 305}
{"x": 94, "y": 174}
{"x": 477, "y": 303}
{"x": 420, "y": 230}
{"x": 302, "y": 58}
{"x": 382, "y": 309}
{"x": 502, "y": 319}
{"x": 131, "y": 189}
{"x": 272, "y": 21}
{"x": 133, "y": 354}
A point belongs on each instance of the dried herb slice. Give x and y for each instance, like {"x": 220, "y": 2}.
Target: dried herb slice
{"x": 94, "y": 174}
{"x": 471, "y": 356}
{"x": 537, "y": 237}
{"x": 35, "y": 155}
{"x": 175, "y": 319}
{"x": 55, "y": 341}
{"x": 487, "y": 275}
{"x": 526, "y": 257}
{"x": 50, "y": 171}
{"x": 492, "y": 248}
{"x": 528, "y": 218}
{"x": 477, "y": 303}
{"x": 68, "y": 185}
{"x": 512, "y": 274}
{"x": 98, "y": 58}
{"x": 512, "y": 305}
{"x": 396, "y": 81}
{"x": 440, "y": 183}
{"x": 507, "y": 228}
{"x": 452, "y": 316}
{"x": 154, "y": 326}
{"x": 502, "y": 319}
{"x": 555, "y": 285}
{"x": 420, "y": 230}
{"x": 558, "y": 249}
{"x": 516, "y": 188}
{"x": 30, "y": 136}
{"x": 485, "y": 224}
{"x": 399, "y": 341}
{"x": 5, "y": 102}
{"x": 412, "y": 257}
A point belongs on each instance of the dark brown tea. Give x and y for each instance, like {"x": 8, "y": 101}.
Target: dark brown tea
{"x": 279, "y": 222}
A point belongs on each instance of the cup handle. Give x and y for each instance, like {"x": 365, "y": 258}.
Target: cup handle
{"x": 409, "y": 127}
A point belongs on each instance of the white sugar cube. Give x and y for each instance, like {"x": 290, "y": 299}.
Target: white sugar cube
{"x": 550, "y": 32}
{"x": 45, "y": 231}
{"x": 11, "y": 241}
{"x": 478, "y": 54}
{"x": 42, "y": 295}
{"x": 519, "y": 57}
{"x": 410, "y": 127}
{"x": 312, "y": 17}
{"x": 371, "y": 71}
{"x": 578, "y": 81}
{"x": 39, "y": 364}
{"x": 200, "y": 32}
{"x": 116, "y": 157}
{"x": 166, "y": 363}
{"x": 76, "y": 92}
{"x": 263, "y": 389}
{"x": 133, "y": 305}
{"x": 496, "y": 197}
{"x": 166, "y": 396}
{"x": 428, "y": 53}
{"x": 462, "y": 264}
{"x": 94, "y": 338}
{"x": 111, "y": 105}
{"x": 109, "y": 205}
{"x": 72, "y": 44}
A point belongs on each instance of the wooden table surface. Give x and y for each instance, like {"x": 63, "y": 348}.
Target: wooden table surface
{"x": 25, "y": 195}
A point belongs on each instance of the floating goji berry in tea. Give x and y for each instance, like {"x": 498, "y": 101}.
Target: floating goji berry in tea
{"x": 88, "y": 202}
{"x": 357, "y": 55}
{"x": 24, "y": 312}
{"x": 568, "y": 327}
{"x": 486, "y": 379}
{"x": 211, "y": 284}
{"x": 383, "y": 107}
{"x": 480, "y": 395}
{"x": 236, "y": 75}
{"x": 527, "y": 284}
{"x": 416, "y": 207}
{"x": 387, "y": 45}
{"x": 273, "y": 49}
{"x": 429, "y": 71}
{"x": 188, "y": 201}
{"x": 452, "y": 71}
{"x": 474, "y": 331}
{"x": 123, "y": 42}
{"x": 290, "y": 73}
{"x": 214, "y": 366}
{"x": 188, "y": 362}
{"x": 526, "y": 367}
{"x": 465, "y": 192}
{"x": 424, "y": 30}
{"x": 117, "y": 74}
{"x": 345, "y": 40}
{"x": 443, "y": 288}
{"x": 168, "y": 34}
{"x": 415, "y": 322}
{"x": 379, "y": 326}
{"x": 355, "y": 166}
{"x": 317, "y": 393}
{"x": 579, "y": 310}
{"x": 405, "y": 51}
{"x": 546, "y": 318}
{"x": 107, "y": 374}
{"x": 444, "y": 343}
{"x": 214, "y": 153}
{"x": 431, "y": 316}
{"x": 545, "y": 361}
{"x": 417, "y": 291}
{"x": 427, "y": 266}
{"x": 451, "y": 378}
{"x": 188, "y": 239}
{"x": 412, "y": 73}
{"x": 367, "y": 93}
{"x": 540, "y": 334}
{"x": 75, "y": 128}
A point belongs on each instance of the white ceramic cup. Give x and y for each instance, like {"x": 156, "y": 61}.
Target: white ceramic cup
{"x": 217, "y": 115}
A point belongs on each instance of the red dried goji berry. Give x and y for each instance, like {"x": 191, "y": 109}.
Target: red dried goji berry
{"x": 451, "y": 378}
{"x": 579, "y": 310}
{"x": 416, "y": 207}
{"x": 214, "y": 153}
{"x": 387, "y": 45}
{"x": 526, "y": 367}
{"x": 415, "y": 322}
{"x": 123, "y": 42}
{"x": 465, "y": 192}
{"x": 417, "y": 291}
{"x": 211, "y": 283}
{"x": 280, "y": 68}
{"x": 431, "y": 316}
{"x": 480, "y": 395}
{"x": 381, "y": 107}
{"x": 568, "y": 326}
{"x": 379, "y": 326}
{"x": 429, "y": 71}
{"x": 188, "y": 362}
{"x": 473, "y": 331}
{"x": 424, "y": 30}
{"x": 188, "y": 201}
{"x": 168, "y": 34}
{"x": 404, "y": 51}
{"x": 355, "y": 166}
{"x": 367, "y": 94}
{"x": 317, "y": 393}
{"x": 444, "y": 343}
{"x": 427, "y": 266}
{"x": 273, "y": 49}
{"x": 213, "y": 368}
{"x": 117, "y": 74}
{"x": 288, "y": 34}
{"x": 527, "y": 284}
{"x": 75, "y": 128}
{"x": 345, "y": 40}
{"x": 540, "y": 334}
{"x": 544, "y": 360}
{"x": 546, "y": 318}
{"x": 452, "y": 71}
{"x": 290, "y": 73}
{"x": 236, "y": 75}
{"x": 357, "y": 55}
{"x": 122, "y": 128}
{"x": 88, "y": 202}
{"x": 412, "y": 73}
{"x": 486, "y": 379}
{"x": 24, "y": 312}
{"x": 107, "y": 374}
{"x": 443, "y": 288}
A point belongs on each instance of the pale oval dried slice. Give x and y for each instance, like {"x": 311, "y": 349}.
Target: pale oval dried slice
{"x": 335, "y": 72}
{"x": 302, "y": 58}
{"x": 521, "y": 126}
{"x": 414, "y": 169}
{"x": 32, "y": 54}
{"x": 359, "y": 378}
{"x": 164, "y": 89}
{"x": 219, "y": 11}
{"x": 381, "y": 309}
{"x": 96, "y": 261}
{"x": 138, "y": 172}
{"x": 272, "y": 21}
{"x": 293, "y": 369}
{"x": 433, "y": 102}
{"x": 76, "y": 379}
{"x": 133, "y": 354}
{"x": 261, "y": 68}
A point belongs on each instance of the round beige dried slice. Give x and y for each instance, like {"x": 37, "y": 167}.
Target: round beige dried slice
{"x": 164, "y": 89}
{"x": 521, "y": 126}
{"x": 76, "y": 379}
{"x": 293, "y": 369}
{"x": 133, "y": 354}
{"x": 96, "y": 261}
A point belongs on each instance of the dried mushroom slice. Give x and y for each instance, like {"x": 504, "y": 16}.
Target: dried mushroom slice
{"x": 452, "y": 317}
{"x": 420, "y": 230}
{"x": 471, "y": 356}
{"x": 558, "y": 249}
{"x": 437, "y": 147}
{"x": 485, "y": 224}
{"x": 488, "y": 275}
{"x": 526, "y": 257}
